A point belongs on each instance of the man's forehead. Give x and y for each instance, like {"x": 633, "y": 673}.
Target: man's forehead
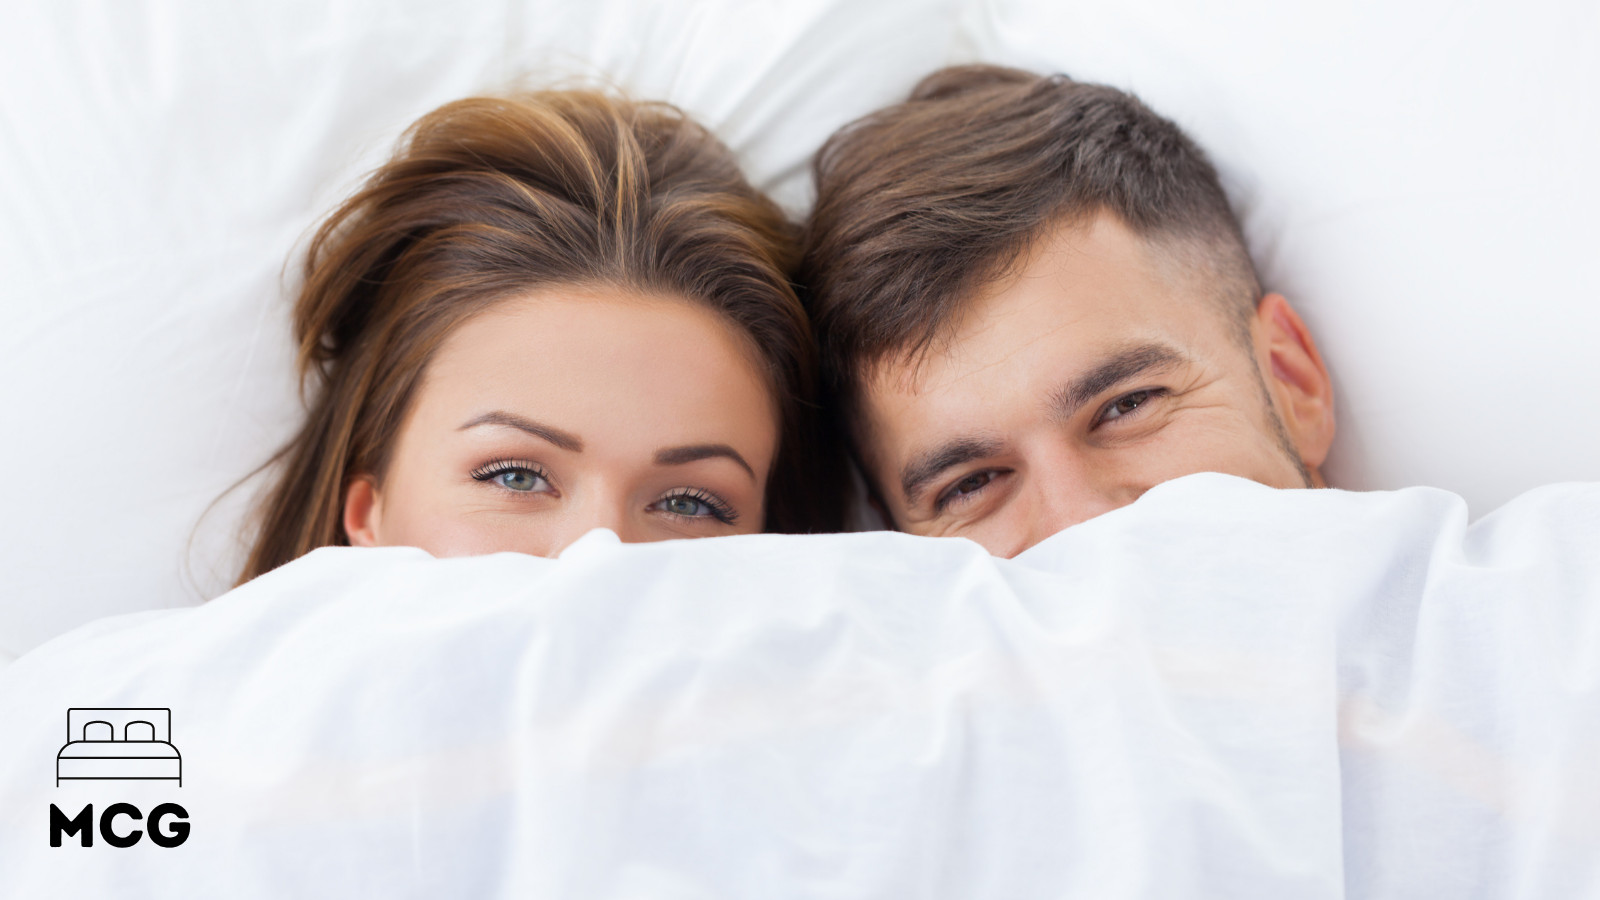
{"x": 1017, "y": 351}
{"x": 911, "y": 401}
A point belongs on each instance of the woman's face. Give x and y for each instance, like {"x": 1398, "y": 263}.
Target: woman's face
{"x": 566, "y": 410}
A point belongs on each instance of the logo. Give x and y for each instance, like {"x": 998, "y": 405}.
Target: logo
{"x": 119, "y": 744}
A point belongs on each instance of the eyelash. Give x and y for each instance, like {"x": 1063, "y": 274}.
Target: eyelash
{"x": 491, "y": 470}
{"x": 1149, "y": 394}
{"x": 720, "y": 509}
{"x": 949, "y": 494}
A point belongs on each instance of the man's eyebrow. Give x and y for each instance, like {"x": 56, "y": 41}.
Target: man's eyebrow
{"x": 1121, "y": 366}
{"x": 563, "y": 439}
{"x": 677, "y": 456}
{"x": 924, "y": 468}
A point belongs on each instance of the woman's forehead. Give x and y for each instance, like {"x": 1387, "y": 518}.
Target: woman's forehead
{"x": 612, "y": 369}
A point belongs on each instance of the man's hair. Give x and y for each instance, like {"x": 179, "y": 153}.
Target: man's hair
{"x": 921, "y": 204}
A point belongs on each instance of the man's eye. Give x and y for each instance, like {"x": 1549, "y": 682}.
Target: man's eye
{"x": 519, "y": 478}
{"x": 967, "y": 486}
{"x": 1126, "y": 404}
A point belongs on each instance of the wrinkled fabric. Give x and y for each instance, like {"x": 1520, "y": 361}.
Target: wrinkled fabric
{"x": 1222, "y": 690}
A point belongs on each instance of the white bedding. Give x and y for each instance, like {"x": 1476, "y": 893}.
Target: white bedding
{"x": 1220, "y": 691}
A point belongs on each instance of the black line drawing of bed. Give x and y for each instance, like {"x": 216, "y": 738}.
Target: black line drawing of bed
{"x": 119, "y": 743}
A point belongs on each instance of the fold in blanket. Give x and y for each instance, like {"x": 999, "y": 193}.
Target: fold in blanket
{"x": 1220, "y": 691}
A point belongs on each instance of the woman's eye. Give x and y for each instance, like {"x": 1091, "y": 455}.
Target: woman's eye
{"x": 685, "y": 506}
{"x": 696, "y": 505}
{"x": 520, "y": 479}
{"x": 1125, "y": 404}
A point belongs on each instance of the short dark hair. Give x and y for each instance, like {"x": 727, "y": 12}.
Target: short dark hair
{"x": 922, "y": 203}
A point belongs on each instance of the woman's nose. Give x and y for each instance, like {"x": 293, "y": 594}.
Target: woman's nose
{"x": 611, "y": 514}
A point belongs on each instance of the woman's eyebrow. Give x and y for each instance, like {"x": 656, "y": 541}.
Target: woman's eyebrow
{"x": 677, "y": 456}
{"x": 563, "y": 439}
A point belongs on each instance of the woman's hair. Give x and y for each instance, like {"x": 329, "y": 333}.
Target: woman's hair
{"x": 491, "y": 197}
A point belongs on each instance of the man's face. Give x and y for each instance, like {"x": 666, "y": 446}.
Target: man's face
{"x": 1094, "y": 371}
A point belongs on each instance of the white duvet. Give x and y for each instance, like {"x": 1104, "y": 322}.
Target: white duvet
{"x": 1220, "y": 691}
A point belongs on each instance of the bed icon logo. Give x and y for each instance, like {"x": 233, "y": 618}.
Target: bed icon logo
{"x": 119, "y": 744}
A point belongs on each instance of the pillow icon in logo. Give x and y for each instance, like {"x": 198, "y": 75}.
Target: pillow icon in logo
{"x": 119, "y": 744}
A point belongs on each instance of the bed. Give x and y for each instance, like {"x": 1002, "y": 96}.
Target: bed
{"x": 1387, "y": 689}
{"x": 119, "y": 745}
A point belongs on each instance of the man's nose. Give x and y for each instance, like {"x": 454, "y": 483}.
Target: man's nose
{"x": 1069, "y": 488}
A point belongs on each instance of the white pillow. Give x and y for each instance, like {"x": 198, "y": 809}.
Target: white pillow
{"x": 158, "y": 164}
{"x": 1417, "y": 178}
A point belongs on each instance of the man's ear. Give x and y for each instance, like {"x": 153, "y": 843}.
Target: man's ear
{"x": 362, "y": 510}
{"x": 1297, "y": 379}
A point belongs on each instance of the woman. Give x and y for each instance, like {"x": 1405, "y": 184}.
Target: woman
{"x": 547, "y": 313}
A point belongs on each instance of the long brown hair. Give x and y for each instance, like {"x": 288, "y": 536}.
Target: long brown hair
{"x": 489, "y": 197}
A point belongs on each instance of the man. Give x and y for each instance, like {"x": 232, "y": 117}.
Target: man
{"x": 1035, "y": 304}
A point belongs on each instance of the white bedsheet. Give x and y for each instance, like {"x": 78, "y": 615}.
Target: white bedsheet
{"x": 1220, "y": 691}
